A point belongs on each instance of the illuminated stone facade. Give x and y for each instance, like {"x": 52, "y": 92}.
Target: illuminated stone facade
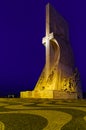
{"x": 59, "y": 78}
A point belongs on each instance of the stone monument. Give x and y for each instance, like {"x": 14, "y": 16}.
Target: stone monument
{"x": 59, "y": 78}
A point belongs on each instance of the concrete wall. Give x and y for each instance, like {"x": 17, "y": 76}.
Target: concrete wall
{"x": 64, "y": 95}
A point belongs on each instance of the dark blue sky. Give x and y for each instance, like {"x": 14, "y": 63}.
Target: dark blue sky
{"x": 22, "y": 26}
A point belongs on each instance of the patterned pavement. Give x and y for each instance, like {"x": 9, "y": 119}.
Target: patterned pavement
{"x": 42, "y": 114}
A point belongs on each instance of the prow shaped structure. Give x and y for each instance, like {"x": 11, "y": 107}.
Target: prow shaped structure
{"x": 59, "y": 78}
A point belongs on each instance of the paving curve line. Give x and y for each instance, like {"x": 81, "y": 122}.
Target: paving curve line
{"x": 56, "y": 119}
{"x": 84, "y": 118}
{"x": 2, "y": 126}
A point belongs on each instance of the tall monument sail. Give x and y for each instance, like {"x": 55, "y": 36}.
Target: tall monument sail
{"x": 59, "y": 78}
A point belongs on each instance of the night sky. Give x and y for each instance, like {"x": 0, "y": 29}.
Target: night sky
{"x": 22, "y": 27}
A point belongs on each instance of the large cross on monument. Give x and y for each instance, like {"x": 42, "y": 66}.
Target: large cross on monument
{"x": 46, "y": 40}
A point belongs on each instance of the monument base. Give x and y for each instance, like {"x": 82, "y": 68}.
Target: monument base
{"x": 50, "y": 94}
